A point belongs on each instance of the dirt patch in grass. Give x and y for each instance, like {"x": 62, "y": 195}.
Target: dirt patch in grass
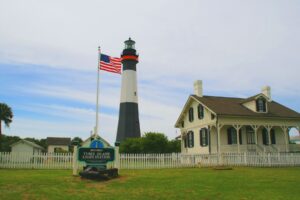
{"x": 104, "y": 183}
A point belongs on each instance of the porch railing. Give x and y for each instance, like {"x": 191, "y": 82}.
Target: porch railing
{"x": 274, "y": 148}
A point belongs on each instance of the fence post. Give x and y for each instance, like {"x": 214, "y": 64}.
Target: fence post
{"x": 75, "y": 162}
{"x": 117, "y": 157}
{"x": 220, "y": 159}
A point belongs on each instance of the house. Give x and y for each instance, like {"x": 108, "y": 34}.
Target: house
{"x": 212, "y": 124}
{"x": 26, "y": 146}
{"x": 58, "y": 144}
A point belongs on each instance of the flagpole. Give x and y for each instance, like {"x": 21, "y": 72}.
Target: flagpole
{"x": 97, "y": 97}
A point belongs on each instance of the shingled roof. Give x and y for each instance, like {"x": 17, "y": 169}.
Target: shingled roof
{"x": 234, "y": 107}
{"x": 58, "y": 141}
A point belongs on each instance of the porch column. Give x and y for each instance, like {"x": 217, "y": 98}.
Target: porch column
{"x": 237, "y": 128}
{"x": 219, "y": 127}
{"x": 209, "y": 139}
{"x": 269, "y": 134}
{"x": 286, "y": 132}
{"x": 255, "y": 128}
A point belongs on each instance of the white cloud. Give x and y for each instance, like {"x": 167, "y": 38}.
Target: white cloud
{"x": 234, "y": 47}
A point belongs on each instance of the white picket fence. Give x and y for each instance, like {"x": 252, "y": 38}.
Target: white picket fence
{"x": 36, "y": 161}
{"x": 152, "y": 161}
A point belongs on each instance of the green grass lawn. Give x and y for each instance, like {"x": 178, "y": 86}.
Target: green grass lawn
{"x": 201, "y": 183}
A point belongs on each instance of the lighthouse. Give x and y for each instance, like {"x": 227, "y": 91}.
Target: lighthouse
{"x": 129, "y": 125}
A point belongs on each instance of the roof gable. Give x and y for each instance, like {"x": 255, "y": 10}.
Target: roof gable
{"x": 28, "y": 143}
{"x": 186, "y": 106}
{"x": 87, "y": 142}
{"x": 255, "y": 97}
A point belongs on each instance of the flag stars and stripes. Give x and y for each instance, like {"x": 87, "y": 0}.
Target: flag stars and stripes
{"x": 110, "y": 64}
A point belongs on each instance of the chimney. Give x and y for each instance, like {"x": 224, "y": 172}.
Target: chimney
{"x": 266, "y": 90}
{"x": 198, "y": 88}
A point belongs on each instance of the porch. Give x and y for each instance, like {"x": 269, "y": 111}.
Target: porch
{"x": 250, "y": 138}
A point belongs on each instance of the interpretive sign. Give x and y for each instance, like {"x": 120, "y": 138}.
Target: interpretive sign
{"x": 96, "y": 155}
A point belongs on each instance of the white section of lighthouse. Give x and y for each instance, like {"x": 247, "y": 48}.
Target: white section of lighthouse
{"x": 129, "y": 87}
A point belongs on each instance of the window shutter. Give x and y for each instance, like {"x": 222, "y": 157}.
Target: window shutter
{"x": 229, "y": 137}
{"x": 201, "y": 135}
{"x": 240, "y": 136}
{"x": 273, "y": 137}
{"x": 191, "y": 114}
{"x": 188, "y": 140}
{"x": 206, "y": 137}
{"x": 264, "y": 136}
{"x": 200, "y": 111}
{"x": 257, "y": 107}
{"x": 264, "y": 106}
{"x": 192, "y": 135}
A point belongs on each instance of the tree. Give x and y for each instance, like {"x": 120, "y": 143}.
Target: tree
{"x": 76, "y": 141}
{"x": 6, "y": 115}
{"x": 174, "y": 146}
{"x": 154, "y": 143}
{"x": 131, "y": 145}
{"x": 6, "y": 141}
{"x": 150, "y": 143}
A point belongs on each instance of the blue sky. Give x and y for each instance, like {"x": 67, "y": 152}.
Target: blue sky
{"x": 48, "y": 59}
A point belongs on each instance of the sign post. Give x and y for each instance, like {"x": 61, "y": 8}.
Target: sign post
{"x": 75, "y": 161}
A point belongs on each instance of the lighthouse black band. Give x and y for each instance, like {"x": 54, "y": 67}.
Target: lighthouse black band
{"x": 129, "y": 125}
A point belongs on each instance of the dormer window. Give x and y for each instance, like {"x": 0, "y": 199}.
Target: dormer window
{"x": 261, "y": 105}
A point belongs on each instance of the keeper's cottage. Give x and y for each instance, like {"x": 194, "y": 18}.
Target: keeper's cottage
{"x": 211, "y": 124}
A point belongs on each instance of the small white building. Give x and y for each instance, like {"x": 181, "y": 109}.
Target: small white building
{"x": 89, "y": 140}
{"x": 26, "y": 146}
{"x": 58, "y": 144}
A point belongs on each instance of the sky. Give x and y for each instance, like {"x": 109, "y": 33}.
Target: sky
{"x": 48, "y": 59}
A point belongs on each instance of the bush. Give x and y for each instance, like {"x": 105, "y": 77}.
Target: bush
{"x": 131, "y": 145}
{"x": 174, "y": 146}
{"x": 150, "y": 143}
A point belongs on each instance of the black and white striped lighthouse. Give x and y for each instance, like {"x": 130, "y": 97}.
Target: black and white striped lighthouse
{"x": 129, "y": 125}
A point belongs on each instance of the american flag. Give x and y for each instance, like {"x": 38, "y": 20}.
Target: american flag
{"x": 110, "y": 64}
